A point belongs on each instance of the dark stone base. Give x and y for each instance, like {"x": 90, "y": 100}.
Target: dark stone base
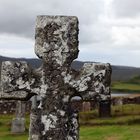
{"x": 105, "y": 109}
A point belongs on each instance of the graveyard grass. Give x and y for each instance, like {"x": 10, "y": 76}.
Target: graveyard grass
{"x": 130, "y": 86}
{"x": 123, "y": 125}
{"x": 126, "y": 87}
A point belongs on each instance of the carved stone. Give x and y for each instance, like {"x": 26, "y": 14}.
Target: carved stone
{"x": 56, "y": 43}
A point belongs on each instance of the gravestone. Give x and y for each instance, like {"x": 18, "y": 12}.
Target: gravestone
{"x": 18, "y": 123}
{"x": 105, "y": 108}
{"x": 86, "y": 106}
{"x": 56, "y": 43}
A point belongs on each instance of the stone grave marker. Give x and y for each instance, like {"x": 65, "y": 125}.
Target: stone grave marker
{"x": 105, "y": 108}
{"x": 56, "y": 43}
{"x": 86, "y": 106}
{"x": 18, "y": 123}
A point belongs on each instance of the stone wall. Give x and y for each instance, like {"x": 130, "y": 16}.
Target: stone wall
{"x": 8, "y": 107}
{"x": 125, "y": 100}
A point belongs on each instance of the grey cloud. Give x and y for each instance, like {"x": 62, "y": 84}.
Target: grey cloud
{"x": 115, "y": 56}
{"x": 126, "y": 8}
{"x": 97, "y": 32}
{"x": 19, "y": 17}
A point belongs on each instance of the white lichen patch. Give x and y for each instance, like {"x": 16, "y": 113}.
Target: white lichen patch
{"x": 67, "y": 78}
{"x": 80, "y": 84}
{"x": 75, "y": 122}
{"x": 49, "y": 122}
{"x": 66, "y": 98}
{"x": 58, "y": 56}
{"x": 36, "y": 90}
{"x": 100, "y": 72}
{"x": 69, "y": 138}
{"x": 99, "y": 87}
{"x": 107, "y": 91}
{"x": 103, "y": 97}
{"x": 43, "y": 89}
{"x": 7, "y": 63}
{"x": 5, "y": 72}
{"x": 83, "y": 83}
{"x": 88, "y": 68}
{"x": 59, "y": 51}
{"x": 62, "y": 113}
{"x": 22, "y": 84}
{"x": 35, "y": 137}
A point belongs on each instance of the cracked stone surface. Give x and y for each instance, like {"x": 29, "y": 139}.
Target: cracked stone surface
{"x": 56, "y": 43}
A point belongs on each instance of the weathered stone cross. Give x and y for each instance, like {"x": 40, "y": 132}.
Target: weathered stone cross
{"x": 56, "y": 43}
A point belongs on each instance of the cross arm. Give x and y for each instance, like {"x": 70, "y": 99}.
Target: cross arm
{"x": 93, "y": 80}
{"x": 17, "y": 80}
{"x": 98, "y": 83}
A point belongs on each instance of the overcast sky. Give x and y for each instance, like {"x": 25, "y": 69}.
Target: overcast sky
{"x": 109, "y": 29}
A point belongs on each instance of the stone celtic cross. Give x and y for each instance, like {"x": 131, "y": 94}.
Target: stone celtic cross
{"x": 56, "y": 43}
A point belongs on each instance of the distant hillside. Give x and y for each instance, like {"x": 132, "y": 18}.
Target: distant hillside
{"x": 135, "y": 80}
{"x": 119, "y": 73}
{"x": 124, "y": 73}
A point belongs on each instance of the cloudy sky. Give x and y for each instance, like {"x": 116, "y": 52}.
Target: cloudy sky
{"x": 109, "y": 29}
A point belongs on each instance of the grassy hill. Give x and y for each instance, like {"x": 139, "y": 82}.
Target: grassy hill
{"x": 130, "y": 86}
{"x": 135, "y": 80}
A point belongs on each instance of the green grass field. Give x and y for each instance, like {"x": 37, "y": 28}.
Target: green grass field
{"x": 126, "y": 87}
{"x": 123, "y": 125}
{"x": 130, "y": 86}
{"x": 111, "y": 132}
